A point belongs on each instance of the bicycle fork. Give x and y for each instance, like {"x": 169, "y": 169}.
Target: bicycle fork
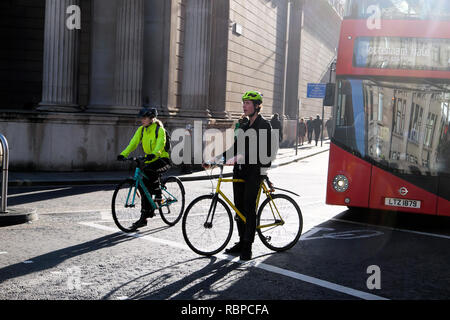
{"x": 212, "y": 209}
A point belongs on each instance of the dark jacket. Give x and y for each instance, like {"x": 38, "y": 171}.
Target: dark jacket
{"x": 317, "y": 124}
{"x": 310, "y": 125}
{"x": 276, "y": 124}
{"x": 251, "y": 146}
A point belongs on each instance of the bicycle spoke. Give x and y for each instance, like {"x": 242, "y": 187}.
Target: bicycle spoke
{"x": 285, "y": 213}
{"x": 207, "y": 232}
{"x": 124, "y": 212}
{"x": 172, "y": 206}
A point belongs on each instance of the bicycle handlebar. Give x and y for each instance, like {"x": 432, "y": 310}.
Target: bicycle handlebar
{"x": 135, "y": 159}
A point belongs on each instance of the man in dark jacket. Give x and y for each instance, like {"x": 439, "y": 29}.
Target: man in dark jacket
{"x": 276, "y": 125}
{"x": 310, "y": 128}
{"x": 317, "y": 125}
{"x": 249, "y": 165}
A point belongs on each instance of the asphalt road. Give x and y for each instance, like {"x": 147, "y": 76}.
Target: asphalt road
{"x": 74, "y": 251}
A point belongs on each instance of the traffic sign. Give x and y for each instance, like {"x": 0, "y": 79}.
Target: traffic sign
{"x": 316, "y": 90}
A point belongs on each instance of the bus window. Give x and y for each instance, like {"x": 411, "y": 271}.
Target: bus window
{"x": 443, "y": 152}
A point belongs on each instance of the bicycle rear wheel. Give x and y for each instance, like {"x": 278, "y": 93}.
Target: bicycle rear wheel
{"x": 124, "y": 211}
{"x": 279, "y": 222}
{"x": 207, "y": 225}
{"x": 172, "y": 207}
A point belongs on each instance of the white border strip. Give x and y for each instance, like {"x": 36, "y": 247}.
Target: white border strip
{"x": 260, "y": 265}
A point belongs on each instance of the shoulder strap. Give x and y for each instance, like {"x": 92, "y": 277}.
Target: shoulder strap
{"x": 157, "y": 131}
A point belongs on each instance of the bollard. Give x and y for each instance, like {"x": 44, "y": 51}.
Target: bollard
{"x": 5, "y": 165}
{"x": 14, "y": 215}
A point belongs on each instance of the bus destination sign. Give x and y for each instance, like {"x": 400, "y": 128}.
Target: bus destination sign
{"x": 402, "y": 53}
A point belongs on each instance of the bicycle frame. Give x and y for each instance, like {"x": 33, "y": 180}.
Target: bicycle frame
{"x": 262, "y": 188}
{"x": 139, "y": 175}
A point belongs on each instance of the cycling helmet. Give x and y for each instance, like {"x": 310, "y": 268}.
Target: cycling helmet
{"x": 254, "y": 96}
{"x": 148, "y": 112}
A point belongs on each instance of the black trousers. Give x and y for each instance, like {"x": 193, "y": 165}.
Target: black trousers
{"x": 245, "y": 194}
{"x": 153, "y": 171}
{"x": 310, "y": 133}
{"x": 316, "y": 135}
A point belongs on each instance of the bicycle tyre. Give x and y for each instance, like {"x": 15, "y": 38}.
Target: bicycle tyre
{"x": 203, "y": 239}
{"x": 124, "y": 216}
{"x": 282, "y": 237}
{"x": 172, "y": 213}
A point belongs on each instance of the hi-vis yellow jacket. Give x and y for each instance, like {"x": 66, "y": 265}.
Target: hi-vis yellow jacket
{"x": 150, "y": 144}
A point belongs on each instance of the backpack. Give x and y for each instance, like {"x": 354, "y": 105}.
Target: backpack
{"x": 167, "y": 146}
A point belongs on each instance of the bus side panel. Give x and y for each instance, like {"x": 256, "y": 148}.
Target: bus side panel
{"x": 386, "y": 185}
{"x": 357, "y": 172}
{"x": 443, "y": 208}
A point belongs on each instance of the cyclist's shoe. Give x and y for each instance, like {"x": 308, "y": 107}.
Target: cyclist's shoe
{"x": 236, "y": 249}
{"x": 142, "y": 222}
{"x": 246, "y": 252}
{"x": 147, "y": 213}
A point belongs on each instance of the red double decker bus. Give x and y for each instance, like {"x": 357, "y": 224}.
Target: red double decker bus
{"x": 390, "y": 146}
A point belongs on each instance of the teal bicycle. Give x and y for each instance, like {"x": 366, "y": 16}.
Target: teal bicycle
{"x": 126, "y": 200}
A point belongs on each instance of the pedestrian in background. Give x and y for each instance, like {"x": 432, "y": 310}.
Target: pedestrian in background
{"x": 310, "y": 128}
{"x": 276, "y": 125}
{"x": 317, "y": 125}
{"x": 301, "y": 131}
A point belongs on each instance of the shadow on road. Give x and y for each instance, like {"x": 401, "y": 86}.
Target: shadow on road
{"x": 201, "y": 284}
{"x": 21, "y": 196}
{"x": 54, "y": 258}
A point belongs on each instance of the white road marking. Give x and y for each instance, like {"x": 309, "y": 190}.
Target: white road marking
{"x": 394, "y": 229}
{"x": 36, "y": 192}
{"x": 137, "y": 235}
{"x": 260, "y": 265}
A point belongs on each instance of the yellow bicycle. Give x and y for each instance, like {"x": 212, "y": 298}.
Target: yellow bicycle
{"x": 208, "y": 223}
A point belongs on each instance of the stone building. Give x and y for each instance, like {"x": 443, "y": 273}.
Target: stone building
{"x": 76, "y": 72}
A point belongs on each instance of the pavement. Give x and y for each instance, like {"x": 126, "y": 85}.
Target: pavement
{"x": 285, "y": 156}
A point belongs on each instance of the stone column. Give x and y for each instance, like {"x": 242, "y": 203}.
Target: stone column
{"x": 196, "y": 65}
{"x": 61, "y": 59}
{"x": 129, "y": 56}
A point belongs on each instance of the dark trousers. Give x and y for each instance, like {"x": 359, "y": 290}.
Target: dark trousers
{"x": 153, "y": 171}
{"x": 310, "y": 136}
{"x": 245, "y": 194}
{"x": 316, "y": 135}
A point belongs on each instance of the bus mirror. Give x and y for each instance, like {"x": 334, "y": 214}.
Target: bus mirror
{"x": 329, "y": 94}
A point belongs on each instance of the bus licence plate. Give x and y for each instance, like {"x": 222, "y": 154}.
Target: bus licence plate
{"x": 405, "y": 203}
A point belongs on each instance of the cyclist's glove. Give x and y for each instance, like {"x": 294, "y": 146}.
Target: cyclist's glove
{"x": 150, "y": 157}
{"x": 120, "y": 158}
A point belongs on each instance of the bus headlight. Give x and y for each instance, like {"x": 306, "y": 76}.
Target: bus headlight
{"x": 340, "y": 183}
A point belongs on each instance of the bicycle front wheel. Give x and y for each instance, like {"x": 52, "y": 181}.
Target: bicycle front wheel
{"x": 207, "y": 225}
{"x": 126, "y": 205}
{"x": 279, "y": 222}
{"x": 172, "y": 207}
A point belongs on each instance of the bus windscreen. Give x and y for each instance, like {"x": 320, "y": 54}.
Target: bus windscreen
{"x": 401, "y": 126}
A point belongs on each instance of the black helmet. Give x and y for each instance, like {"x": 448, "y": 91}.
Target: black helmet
{"x": 148, "y": 112}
